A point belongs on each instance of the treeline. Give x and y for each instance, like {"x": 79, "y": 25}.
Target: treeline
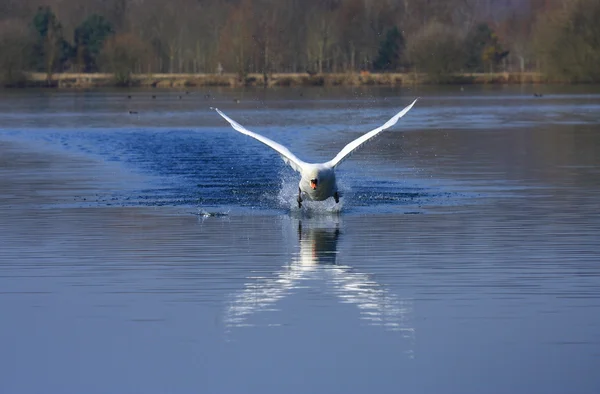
{"x": 437, "y": 37}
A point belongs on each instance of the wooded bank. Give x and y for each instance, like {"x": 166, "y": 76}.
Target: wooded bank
{"x": 307, "y": 41}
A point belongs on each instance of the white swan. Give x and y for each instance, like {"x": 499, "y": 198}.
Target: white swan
{"x": 317, "y": 181}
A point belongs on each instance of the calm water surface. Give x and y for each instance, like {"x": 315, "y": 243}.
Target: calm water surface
{"x": 161, "y": 251}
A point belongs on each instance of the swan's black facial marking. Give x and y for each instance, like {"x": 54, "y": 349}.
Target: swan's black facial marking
{"x": 314, "y": 183}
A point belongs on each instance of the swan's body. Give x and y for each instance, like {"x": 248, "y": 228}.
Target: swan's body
{"x": 317, "y": 181}
{"x": 326, "y": 184}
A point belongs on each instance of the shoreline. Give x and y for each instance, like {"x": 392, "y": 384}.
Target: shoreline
{"x": 103, "y": 80}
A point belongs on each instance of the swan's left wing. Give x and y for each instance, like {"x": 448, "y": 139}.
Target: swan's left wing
{"x": 351, "y": 147}
{"x": 284, "y": 152}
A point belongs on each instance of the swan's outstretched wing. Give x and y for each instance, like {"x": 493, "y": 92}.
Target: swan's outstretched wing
{"x": 351, "y": 147}
{"x": 286, "y": 155}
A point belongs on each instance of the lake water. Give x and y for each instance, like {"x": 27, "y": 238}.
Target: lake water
{"x": 161, "y": 251}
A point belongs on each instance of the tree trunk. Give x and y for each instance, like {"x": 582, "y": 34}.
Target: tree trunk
{"x": 171, "y": 58}
{"x": 50, "y": 53}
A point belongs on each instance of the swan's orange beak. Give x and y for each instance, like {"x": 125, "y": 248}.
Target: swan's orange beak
{"x": 313, "y": 184}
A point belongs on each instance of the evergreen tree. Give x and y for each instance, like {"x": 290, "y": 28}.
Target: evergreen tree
{"x": 51, "y": 52}
{"x": 483, "y": 49}
{"x": 391, "y": 51}
{"x": 89, "y": 40}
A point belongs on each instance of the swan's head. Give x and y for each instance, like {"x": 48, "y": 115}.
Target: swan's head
{"x": 313, "y": 176}
{"x": 317, "y": 177}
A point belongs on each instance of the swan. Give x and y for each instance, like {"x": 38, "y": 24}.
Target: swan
{"x": 317, "y": 182}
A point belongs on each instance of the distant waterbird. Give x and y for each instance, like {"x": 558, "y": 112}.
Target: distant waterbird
{"x": 318, "y": 182}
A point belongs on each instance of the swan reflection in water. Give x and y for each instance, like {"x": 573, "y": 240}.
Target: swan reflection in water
{"x": 317, "y": 260}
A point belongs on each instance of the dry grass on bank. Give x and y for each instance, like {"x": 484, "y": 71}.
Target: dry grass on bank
{"x": 81, "y": 80}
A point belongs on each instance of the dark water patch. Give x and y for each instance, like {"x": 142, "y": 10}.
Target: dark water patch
{"x": 208, "y": 168}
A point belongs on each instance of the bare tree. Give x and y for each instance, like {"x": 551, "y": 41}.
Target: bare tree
{"x": 437, "y": 49}
{"x": 321, "y": 34}
{"x": 567, "y": 41}
{"x": 15, "y": 42}
{"x": 515, "y": 32}
{"x": 235, "y": 43}
{"x": 123, "y": 55}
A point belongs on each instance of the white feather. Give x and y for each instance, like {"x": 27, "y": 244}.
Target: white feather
{"x": 286, "y": 155}
{"x": 351, "y": 147}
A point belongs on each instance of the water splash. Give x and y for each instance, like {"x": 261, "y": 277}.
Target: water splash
{"x": 211, "y": 214}
{"x": 288, "y": 194}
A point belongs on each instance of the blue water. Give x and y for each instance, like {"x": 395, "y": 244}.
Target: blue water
{"x": 163, "y": 251}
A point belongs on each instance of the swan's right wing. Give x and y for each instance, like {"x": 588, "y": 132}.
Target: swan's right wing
{"x": 285, "y": 154}
{"x": 351, "y": 147}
